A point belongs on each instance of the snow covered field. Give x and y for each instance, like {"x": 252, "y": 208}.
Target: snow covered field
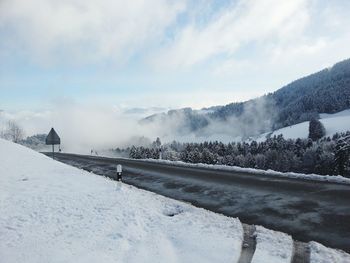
{"x": 333, "y": 123}
{"x": 51, "y": 212}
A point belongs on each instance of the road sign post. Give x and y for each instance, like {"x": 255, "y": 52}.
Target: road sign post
{"x": 52, "y": 139}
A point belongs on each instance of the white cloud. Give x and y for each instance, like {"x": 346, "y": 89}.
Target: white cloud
{"x": 323, "y": 41}
{"x": 263, "y": 44}
{"x": 84, "y": 30}
{"x": 243, "y": 23}
{"x": 80, "y": 31}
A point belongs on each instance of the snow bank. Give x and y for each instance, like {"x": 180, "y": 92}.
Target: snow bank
{"x": 51, "y": 212}
{"x": 272, "y": 246}
{"x": 322, "y": 254}
{"x": 312, "y": 177}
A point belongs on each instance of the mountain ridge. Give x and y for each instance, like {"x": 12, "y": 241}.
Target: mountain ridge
{"x": 325, "y": 91}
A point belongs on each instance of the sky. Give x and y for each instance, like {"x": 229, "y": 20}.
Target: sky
{"x": 162, "y": 53}
{"x": 80, "y": 64}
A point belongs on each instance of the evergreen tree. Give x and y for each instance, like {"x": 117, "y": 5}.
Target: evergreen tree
{"x": 157, "y": 143}
{"x": 316, "y": 129}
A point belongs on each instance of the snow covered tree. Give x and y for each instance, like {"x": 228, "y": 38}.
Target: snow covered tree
{"x": 260, "y": 161}
{"x": 208, "y": 157}
{"x": 135, "y": 153}
{"x": 249, "y": 160}
{"x": 194, "y": 156}
{"x": 240, "y": 160}
{"x": 342, "y": 155}
{"x": 13, "y": 132}
{"x": 316, "y": 129}
{"x": 157, "y": 143}
{"x": 324, "y": 156}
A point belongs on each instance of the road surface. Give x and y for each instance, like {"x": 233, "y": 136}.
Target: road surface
{"x": 307, "y": 210}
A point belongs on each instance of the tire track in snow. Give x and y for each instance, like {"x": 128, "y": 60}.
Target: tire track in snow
{"x": 301, "y": 252}
{"x": 248, "y": 244}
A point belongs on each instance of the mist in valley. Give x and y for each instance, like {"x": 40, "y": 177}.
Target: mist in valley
{"x": 86, "y": 127}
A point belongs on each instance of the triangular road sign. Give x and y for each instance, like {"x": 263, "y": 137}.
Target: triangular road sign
{"x": 53, "y": 138}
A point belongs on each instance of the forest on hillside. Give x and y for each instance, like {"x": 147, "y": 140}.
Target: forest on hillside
{"x": 327, "y": 91}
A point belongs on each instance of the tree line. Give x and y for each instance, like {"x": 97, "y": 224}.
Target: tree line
{"x": 327, "y": 156}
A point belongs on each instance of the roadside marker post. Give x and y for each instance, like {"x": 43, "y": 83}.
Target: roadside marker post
{"x": 119, "y": 172}
{"x": 52, "y": 139}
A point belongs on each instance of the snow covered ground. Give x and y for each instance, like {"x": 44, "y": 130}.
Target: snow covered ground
{"x": 333, "y": 123}
{"x": 51, "y": 212}
{"x": 272, "y": 246}
{"x": 322, "y": 254}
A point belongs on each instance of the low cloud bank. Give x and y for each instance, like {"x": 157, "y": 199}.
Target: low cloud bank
{"x": 85, "y": 127}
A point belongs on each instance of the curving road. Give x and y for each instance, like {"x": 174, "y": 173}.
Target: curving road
{"x": 308, "y": 210}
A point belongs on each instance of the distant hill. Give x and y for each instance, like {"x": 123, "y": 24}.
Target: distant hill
{"x": 327, "y": 91}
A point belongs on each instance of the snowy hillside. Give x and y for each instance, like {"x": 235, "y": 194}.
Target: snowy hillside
{"x": 51, "y": 212}
{"x": 333, "y": 123}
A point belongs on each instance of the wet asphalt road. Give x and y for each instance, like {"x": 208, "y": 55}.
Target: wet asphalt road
{"x": 308, "y": 210}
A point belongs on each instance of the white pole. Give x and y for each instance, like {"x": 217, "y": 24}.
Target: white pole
{"x": 119, "y": 172}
